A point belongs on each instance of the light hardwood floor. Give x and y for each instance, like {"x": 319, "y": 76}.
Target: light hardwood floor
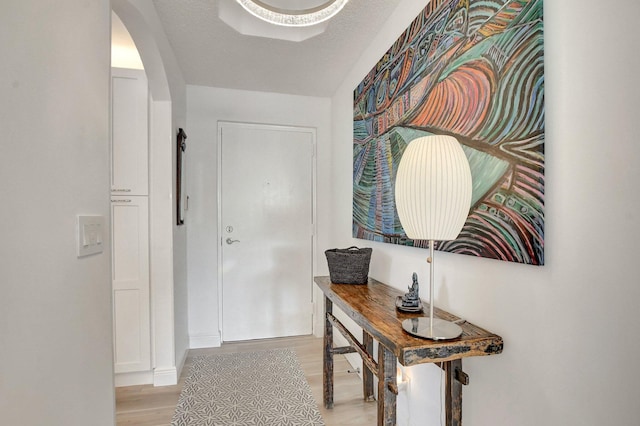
{"x": 150, "y": 406}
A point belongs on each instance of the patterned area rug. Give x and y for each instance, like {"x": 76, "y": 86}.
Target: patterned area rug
{"x": 266, "y": 388}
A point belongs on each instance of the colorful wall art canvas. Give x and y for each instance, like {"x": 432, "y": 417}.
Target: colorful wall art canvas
{"x": 473, "y": 70}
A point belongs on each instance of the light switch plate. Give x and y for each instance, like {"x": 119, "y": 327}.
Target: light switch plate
{"x": 90, "y": 235}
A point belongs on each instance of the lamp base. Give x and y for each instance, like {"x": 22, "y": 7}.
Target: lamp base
{"x": 441, "y": 330}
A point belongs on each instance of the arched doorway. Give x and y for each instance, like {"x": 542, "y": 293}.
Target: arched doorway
{"x": 169, "y": 341}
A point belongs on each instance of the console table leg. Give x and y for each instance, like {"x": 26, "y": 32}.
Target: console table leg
{"x": 367, "y": 375}
{"x": 387, "y": 364}
{"x": 453, "y": 393}
{"x": 327, "y": 357}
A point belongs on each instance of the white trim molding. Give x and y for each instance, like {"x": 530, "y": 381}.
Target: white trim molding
{"x": 165, "y": 376}
{"x": 204, "y": 341}
{"x": 133, "y": 379}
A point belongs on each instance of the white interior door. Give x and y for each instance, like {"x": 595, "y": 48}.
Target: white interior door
{"x": 266, "y": 218}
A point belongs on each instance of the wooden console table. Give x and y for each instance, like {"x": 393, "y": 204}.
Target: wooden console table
{"x": 372, "y": 307}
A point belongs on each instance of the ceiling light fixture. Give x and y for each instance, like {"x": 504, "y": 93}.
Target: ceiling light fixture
{"x": 293, "y": 18}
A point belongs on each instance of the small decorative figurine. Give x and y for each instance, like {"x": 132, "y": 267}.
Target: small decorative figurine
{"x": 412, "y": 298}
{"x": 410, "y": 302}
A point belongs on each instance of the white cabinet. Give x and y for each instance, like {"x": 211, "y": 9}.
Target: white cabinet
{"x": 129, "y": 132}
{"x": 130, "y": 226}
{"x": 130, "y": 263}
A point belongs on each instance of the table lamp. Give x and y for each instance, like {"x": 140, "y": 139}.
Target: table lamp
{"x": 433, "y": 197}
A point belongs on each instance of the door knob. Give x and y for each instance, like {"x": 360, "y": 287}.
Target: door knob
{"x": 230, "y": 241}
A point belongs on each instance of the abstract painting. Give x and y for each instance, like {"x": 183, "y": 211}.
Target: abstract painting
{"x": 473, "y": 70}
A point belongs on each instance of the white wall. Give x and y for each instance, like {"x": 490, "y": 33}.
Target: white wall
{"x": 205, "y": 107}
{"x": 56, "y": 363}
{"x": 570, "y": 327}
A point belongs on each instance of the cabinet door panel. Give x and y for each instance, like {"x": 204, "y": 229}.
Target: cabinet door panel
{"x": 128, "y": 234}
{"x": 131, "y": 303}
{"x": 128, "y": 350}
{"x": 129, "y": 132}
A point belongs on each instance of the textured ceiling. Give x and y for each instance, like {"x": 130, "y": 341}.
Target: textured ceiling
{"x": 211, "y": 53}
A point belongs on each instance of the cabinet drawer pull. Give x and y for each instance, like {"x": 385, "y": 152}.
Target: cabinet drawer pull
{"x": 121, "y": 190}
{"x": 120, "y": 201}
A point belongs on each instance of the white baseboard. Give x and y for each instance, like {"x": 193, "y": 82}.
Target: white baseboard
{"x": 165, "y": 376}
{"x": 182, "y": 361}
{"x": 133, "y": 379}
{"x": 204, "y": 341}
{"x": 157, "y": 377}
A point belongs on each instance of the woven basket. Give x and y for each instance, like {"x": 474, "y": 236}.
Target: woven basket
{"x": 349, "y": 266}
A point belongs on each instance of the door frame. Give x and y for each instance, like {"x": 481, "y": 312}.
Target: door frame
{"x": 314, "y": 225}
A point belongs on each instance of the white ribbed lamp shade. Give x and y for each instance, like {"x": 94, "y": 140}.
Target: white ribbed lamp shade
{"x": 433, "y": 188}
